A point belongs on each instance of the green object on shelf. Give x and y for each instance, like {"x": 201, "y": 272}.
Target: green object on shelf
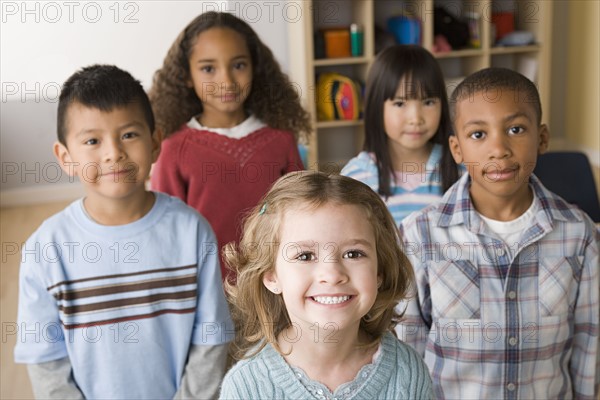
{"x": 356, "y": 40}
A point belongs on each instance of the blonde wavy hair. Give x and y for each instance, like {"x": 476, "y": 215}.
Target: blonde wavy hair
{"x": 260, "y": 315}
{"x": 273, "y": 98}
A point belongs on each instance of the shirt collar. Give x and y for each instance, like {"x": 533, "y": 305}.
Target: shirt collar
{"x": 248, "y": 126}
{"x": 456, "y": 206}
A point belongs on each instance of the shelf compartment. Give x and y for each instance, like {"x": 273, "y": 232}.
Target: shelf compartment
{"x": 323, "y": 62}
{"x": 340, "y": 143}
{"x": 339, "y": 124}
{"x": 459, "y": 53}
{"x": 515, "y": 49}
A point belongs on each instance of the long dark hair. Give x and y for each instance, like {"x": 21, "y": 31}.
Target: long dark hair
{"x": 391, "y": 66}
{"x": 273, "y": 99}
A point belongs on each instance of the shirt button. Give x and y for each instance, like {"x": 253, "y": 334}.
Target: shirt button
{"x": 512, "y": 341}
{"x": 501, "y": 252}
{"x": 511, "y": 387}
{"x": 299, "y": 375}
{"x": 512, "y": 295}
{"x": 320, "y": 391}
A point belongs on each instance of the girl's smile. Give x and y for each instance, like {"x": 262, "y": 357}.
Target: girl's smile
{"x": 326, "y": 266}
{"x": 332, "y": 299}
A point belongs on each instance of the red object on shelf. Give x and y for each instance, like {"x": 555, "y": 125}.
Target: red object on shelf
{"x": 504, "y": 22}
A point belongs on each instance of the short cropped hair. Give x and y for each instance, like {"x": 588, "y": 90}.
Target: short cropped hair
{"x": 104, "y": 87}
{"x": 492, "y": 80}
{"x": 260, "y": 315}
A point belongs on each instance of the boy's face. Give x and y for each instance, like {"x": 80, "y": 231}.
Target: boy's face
{"x": 111, "y": 152}
{"x": 498, "y": 140}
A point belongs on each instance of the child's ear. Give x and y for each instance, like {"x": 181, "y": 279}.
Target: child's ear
{"x": 270, "y": 281}
{"x": 156, "y": 137}
{"x": 544, "y": 139}
{"x": 64, "y": 159}
{"x": 455, "y": 149}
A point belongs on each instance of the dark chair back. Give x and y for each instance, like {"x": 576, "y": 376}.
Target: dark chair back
{"x": 569, "y": 175}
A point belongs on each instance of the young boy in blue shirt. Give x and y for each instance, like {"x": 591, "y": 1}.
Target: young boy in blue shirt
{"x": 507, "y": 272}
{"x": 120, "y": 294}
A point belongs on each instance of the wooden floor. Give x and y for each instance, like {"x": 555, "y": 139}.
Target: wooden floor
{"x": 16, "y": 225}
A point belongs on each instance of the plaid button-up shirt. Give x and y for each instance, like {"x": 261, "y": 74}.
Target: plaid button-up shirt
{"x": 492, "y": 326}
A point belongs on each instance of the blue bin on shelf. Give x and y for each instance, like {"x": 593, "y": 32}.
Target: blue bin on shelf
{"x": 406, "y": 30}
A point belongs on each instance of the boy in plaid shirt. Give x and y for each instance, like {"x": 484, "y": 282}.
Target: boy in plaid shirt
{"x": 506, "y": 302}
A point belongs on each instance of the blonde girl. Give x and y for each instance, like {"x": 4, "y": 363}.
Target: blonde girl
{"x": 319, "y": 271}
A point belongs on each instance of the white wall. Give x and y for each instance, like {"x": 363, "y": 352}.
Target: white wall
{"x": 43, "y": 43}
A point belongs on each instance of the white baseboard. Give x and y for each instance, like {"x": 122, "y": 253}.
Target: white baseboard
{"x": 40, "y": 194}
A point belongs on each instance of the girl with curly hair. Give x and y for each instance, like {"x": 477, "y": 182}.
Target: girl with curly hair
{"x": 319, "y": 273}
{"x": 230, "y": 117}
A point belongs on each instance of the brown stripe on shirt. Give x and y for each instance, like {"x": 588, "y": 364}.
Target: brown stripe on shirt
{"x": 120, "y": 288}
{"x": 134, "y": 301}
{"x": 129, "y": 318}
{"x": 114, "y": 276}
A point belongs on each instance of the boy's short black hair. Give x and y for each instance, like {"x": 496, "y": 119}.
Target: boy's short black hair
{"x": 492, "y": 80}
{"x": 103, "y": 87}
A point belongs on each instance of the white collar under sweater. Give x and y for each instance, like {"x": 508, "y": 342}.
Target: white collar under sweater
{"x": 250, "y": 124}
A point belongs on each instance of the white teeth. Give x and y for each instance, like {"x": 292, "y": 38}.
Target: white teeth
{"x": 330, "y": 299}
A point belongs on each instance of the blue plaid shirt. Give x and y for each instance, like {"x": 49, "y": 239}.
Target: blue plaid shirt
{"x": 494, "y": 326}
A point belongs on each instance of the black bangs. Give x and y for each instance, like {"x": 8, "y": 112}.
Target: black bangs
{"x": 104, "y": 87}
{"x": 415, "y": 71}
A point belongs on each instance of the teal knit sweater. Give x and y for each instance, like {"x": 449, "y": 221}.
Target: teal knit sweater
{"x": 398, "y": 373}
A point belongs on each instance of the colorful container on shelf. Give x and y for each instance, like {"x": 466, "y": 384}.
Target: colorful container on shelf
{"x": 504, "y": 23}
{"x": 356, "y": 40}
{"x": 338, "y": 97}
{"x": 406, "y": 30}
{"x": 337, "y": 42}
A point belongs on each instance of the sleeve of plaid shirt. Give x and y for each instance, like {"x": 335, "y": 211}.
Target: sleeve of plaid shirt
{"x": 585, "y": 359}
{"x": 416, "y": 321}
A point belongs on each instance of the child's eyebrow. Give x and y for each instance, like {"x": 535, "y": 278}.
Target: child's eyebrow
{"x": 507, "y": 119}
{"x": 350, "y": 242}
{"x": 130, "y": 125}
{"x": 516, "y": 115}
{"x": 477, "y": 122}
{"x": 353, "y": 242}
{"x": 87, "y": 131}
{"x": 120, "y": 128}
{"x": 304, "y": 243}
{"x": 212, "y": 60}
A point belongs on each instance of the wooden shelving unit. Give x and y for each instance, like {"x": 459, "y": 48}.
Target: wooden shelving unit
{"x": 338, "y": 141}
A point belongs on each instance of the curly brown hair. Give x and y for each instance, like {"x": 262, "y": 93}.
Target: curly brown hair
{"x": 260, "y": 315}
{"x": 273, "y": 99}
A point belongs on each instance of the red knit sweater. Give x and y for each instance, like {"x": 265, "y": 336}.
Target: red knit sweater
{"x": 224, "y": 178}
